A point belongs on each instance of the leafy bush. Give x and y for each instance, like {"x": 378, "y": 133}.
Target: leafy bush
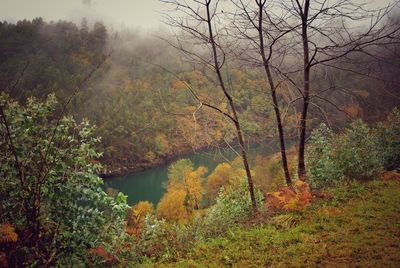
{"x": 49, "y": 189}
{"x": 321, "y": 165}
{"x": 358, "y": 153}
{"x": 154, "y": 238}
{"x": 230, "y": 208}
{"x": 388, "y": 137}
{"x": 167, "y": 241}
{"x": 333, "y": 157}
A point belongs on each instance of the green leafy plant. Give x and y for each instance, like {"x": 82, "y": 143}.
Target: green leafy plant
{"x": 230, "y": 208}
{"x": 49, "y": 188}
{"x": 388, "y": 138}
{"x": 352, "y": 154}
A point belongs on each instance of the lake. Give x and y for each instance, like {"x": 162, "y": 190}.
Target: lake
{"x": 148, "y": 184}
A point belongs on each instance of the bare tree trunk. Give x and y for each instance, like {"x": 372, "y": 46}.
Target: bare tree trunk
{"x": 306, "y": 89}
{"x": 273, "y": 94}
{"x": 239, "y": 133}
{"x": 280, "y": 128}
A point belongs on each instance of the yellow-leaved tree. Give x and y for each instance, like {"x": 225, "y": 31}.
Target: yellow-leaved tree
{"x": 224, "y": 175}
{"x": 171, "y": 206}
{"x": 184, "y": 191}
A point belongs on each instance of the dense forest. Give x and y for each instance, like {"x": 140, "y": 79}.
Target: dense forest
{"x": 138, "y": 100}
{"x": 136, "y": 96}
{"x": 81, "y": 103}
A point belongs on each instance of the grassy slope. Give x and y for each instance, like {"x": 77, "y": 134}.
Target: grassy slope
{"x": 358, "y": 226}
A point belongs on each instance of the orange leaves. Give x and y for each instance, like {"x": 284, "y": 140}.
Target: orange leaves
{"x": 288, "y": 199}
{"x": 136, "y": 217}
{"x": 220, "y": 177}
{"x": 278, "y": 200}
{"x": 102, "y": 252}
{"x": 390, "y": 176}
{"x": 142, "y": 208}
{"x": 7, "y": 233}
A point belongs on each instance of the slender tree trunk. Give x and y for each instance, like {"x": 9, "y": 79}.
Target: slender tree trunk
{"x": 233, "y": 108}
{"x": 306, "y": 91}
{"x": 280, "y": 128}
{"x": 273, "y": 95}
{"x": 246, "y": 167}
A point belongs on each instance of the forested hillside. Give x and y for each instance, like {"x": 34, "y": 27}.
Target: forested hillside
{"x": 305, "y": 95}
{"x": 138, "y": 95}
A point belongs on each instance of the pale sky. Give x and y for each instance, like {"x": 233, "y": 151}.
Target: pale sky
{"x": 144, "y": 14}
{"x": 125, "y": 13}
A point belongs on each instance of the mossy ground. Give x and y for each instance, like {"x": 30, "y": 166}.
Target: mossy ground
{"x": 358, "y": 226}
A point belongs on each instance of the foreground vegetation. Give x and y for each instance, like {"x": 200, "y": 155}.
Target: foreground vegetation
{"x": 55, "y": 213}
{"x": 356, "y": 224}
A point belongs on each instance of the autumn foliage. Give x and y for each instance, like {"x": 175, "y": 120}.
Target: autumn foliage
{"x": 7, "y": 234}
{"x": 225, "y": 175}
{"x": 288, "y": 199}
{"x": 100, "y": 251}
{"x": 184, "y": 191}
{"x": 390, "y": 176}
{"x": 172, "y": 205}
{"x": 136, "y": 217}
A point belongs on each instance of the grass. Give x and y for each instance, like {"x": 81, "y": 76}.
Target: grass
{"x": 359, "y": 226}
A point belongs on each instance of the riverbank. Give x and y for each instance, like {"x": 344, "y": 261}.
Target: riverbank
{"x": 127, "y": 167}
{"x": 110, "y": 172}
{"x": 131, "y": 167}
{"x": 148, "y": 184}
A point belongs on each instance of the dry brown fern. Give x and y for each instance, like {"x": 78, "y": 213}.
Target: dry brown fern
{"x": 7, "y": 234}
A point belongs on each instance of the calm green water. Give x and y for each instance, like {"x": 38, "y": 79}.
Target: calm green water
{"x": 148, "y": 184}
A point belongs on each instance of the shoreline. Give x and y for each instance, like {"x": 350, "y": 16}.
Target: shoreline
{"x": 137, "y": 167}
{"x": 128, "y": 169}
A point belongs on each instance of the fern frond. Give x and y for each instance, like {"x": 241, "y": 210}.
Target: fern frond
{"x": 7, "y": 234}
{"x": 286, "y": 220}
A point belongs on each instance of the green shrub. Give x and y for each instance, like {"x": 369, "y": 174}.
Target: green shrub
{"x": 388, "y": 137}
{"x": 155, "y": 238}
{"x": 321, "y": 163}
{"x": 353, "y": 154}
{"x": 230, "y": 208}
{"x": 49, "y": 189}
{"x": 358, "y": 154}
